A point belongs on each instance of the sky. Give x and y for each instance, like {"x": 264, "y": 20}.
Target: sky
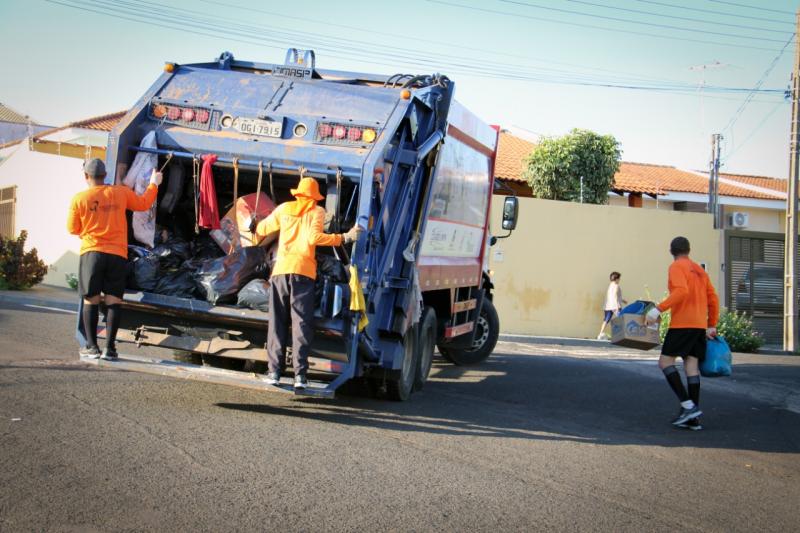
{"x": 661, "y": 76}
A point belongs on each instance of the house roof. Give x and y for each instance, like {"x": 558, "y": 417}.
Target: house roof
{"x": 9, "y": 115}
{"x": 644, "y": 178}
{"x": 511, "y": 154}
{"x": 663, "y": 179}
{"x": 100, "y": 123}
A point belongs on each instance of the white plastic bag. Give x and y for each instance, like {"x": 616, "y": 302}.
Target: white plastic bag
{"x": 138, "y": 178}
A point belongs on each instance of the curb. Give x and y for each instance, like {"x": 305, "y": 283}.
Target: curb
{"x": 560, "y": 341}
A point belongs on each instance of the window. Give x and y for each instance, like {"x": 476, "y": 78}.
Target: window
{"x": 8, "y": 200}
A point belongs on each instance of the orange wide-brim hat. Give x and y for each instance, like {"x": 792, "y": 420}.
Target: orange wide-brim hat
{"x": 309, "y": 188}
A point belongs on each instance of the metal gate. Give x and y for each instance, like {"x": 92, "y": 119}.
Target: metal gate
{"x": 754, "y": 280}
{"x": 8, "y": 200}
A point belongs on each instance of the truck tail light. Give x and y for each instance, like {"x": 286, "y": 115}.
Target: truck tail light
{"x": 344, "y": 134}
{"x": 189, "y": 116}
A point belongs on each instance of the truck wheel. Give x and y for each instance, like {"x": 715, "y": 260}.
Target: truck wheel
{"x": 425, "y": 345}
{"x": 487, "y": 331}
{"x": 400, "y": 383}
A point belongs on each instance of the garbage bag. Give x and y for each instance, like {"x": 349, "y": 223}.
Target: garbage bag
{"x": 329, "y": 266}
{"x": 177, "y": 283}
{"x": 255, "y": 295}
{"x": 173, "y": 253}
{"x": 138, "y": 178}
{"x": 204, "y": 247}
{"x": 146, "y": 272}
{"x": 234, "y": 231}
{"x": 221, "y": 279}
{"x": 718, "y": 361}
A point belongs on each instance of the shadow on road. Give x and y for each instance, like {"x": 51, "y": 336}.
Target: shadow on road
{"x": 557, "y": 399}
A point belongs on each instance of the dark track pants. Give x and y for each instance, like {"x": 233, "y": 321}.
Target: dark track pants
{"x": 290, "y": 295}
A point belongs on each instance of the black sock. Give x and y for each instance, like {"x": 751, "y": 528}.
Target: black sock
{"x": 693, "y": 384}
{"x": 674, "y": 380}
{"x": 112, "y": 325}
{"x": 90, "y": 317}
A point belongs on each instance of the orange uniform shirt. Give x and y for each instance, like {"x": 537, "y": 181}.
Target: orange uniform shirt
{"x": 692, "y": 299}
{"x": 98, "y": 216}
{"x": 301, "y": 230}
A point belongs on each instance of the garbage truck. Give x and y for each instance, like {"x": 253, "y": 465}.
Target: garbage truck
{"x": 396, "y": 154}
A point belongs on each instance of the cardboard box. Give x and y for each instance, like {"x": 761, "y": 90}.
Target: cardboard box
{"x": 630, "y": 331}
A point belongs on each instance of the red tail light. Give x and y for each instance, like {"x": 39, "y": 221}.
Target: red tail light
{"x": 354, "y": 134}
{"x": 173, "y": 113}
{"x": 187, "y": 115}
{"x": 325, "y": 130}
{"x": 339, "y": 132}
{"x": 201, "y": 116}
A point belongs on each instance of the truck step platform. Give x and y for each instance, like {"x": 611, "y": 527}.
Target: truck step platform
{"x": 176, "y": 369}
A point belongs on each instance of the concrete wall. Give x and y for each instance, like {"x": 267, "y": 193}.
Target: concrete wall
{"x": 551, "y": 275}
{"x": 45, "y": 185}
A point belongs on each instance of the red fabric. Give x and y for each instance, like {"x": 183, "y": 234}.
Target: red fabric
{"x": 209, "y": 210}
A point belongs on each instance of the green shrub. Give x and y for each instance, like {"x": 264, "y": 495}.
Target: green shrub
{"x": 737, "y": 328}
{"x": 19, "y": 269}
{"x": 72, "y": 281}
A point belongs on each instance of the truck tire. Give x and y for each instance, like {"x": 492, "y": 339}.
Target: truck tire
{"x": 425, "y": 345}
{"x": 486, "y": 334}
{"x": 400, "y": 383}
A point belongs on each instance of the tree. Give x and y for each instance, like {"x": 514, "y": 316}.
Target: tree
{"x": 555, "y": 167}
{"x": 19, "y": 269}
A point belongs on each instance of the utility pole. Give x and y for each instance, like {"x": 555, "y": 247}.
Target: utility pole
{"x": 790, "y": 329}
{"x": 713, "y": 179}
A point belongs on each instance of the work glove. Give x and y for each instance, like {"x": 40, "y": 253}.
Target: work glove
{"x": 711, "y": 333}
{"x": 653, "y": 315}
{"x": 353, "y": 234}
{"x": 155, "y": 178}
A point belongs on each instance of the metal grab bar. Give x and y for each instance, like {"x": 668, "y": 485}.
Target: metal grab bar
{"x": 353, "y": 175}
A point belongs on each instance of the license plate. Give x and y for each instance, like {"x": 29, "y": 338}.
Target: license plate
{"x": 255, "y": 126}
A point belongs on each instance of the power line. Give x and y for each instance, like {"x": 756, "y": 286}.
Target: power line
{"x": 215, "y": 27}
{"x": 759, "y": 8}
{"x": 676, "y": 17}
{"x": 484, "y": 50}
{"x": 631, "y": 21}
{"x": 594, "y": 27}
{"x": 713, "y": 12}
{"x": 757, "y": 86}
{"x": 753, "y": 131}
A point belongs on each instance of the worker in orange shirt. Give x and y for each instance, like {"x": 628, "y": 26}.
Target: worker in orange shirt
{"x": 694, "y": 310}
{"x": 97, "y": 215}
{"x": 299, "y": 225}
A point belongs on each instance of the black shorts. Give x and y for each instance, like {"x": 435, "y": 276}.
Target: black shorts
{"x": 681, "y": 342}
{"x": 102, "y": 273}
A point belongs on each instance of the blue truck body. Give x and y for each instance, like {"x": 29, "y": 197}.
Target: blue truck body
{"x": 397, "y": 166}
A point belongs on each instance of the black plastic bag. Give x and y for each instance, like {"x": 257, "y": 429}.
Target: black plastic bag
{"x": 178, "y": 283}
{"x": 173, "y": 252}
{"x": 221, "y": 279}
{"x": 255, "y": 295}
{"x": 330, "y": 267}
{"x": 204, "y": 247}
{"x": 146, "y": 272}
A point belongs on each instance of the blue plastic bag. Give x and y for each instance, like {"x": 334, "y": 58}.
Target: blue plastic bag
{"x": 639, "y": 307}
{"x": 718, "y": 359}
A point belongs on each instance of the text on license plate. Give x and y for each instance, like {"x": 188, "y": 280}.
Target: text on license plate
{"x": 254, "y": 126}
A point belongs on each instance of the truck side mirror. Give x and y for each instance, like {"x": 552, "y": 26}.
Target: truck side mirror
{"x": 510, "y": 212}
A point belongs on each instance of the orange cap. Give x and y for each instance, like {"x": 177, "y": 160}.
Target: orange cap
{"x": 309, "y": 188}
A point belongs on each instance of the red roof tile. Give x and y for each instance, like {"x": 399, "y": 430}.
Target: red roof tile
{"x": 101, "y": 123}
{"x": 511, "y": 154}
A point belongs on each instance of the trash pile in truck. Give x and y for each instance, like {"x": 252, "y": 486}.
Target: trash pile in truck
{"x": 182, "y": 248}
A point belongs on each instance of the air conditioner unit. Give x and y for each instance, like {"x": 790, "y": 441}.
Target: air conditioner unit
{"x": 739, "y": 220}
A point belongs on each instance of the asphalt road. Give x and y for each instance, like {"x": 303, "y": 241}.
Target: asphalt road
{"x": 538, "y": 438}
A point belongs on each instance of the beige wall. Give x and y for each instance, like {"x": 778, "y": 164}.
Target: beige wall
{"x": 45, "y": 185}
{"x": 551, "y": 275}
{"x": 765, "y": 220}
